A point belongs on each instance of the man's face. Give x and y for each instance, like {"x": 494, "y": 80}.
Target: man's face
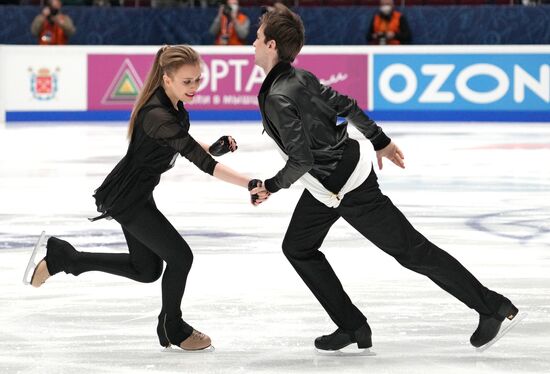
{"x": 56, "y": 4}
{"x": 233, "y": 4}
{"x": 262, "y": 52}
{"x": 386, "y": 7}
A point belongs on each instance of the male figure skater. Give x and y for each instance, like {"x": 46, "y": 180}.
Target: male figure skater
{"x": 300, "y": 115}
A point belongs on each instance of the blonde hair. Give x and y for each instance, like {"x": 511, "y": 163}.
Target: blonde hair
{"x": 167, "y": 61}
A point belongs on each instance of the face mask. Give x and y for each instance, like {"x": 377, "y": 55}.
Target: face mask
{"x": 234, "y": 7}
{"x": 385, "y": 9}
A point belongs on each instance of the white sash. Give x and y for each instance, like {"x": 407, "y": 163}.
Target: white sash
{"x": 359, "y": 175}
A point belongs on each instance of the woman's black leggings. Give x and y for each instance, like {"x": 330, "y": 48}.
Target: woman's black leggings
{"x": 151, "y": 240}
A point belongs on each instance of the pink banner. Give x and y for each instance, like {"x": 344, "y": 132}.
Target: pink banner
{"x": 230, "y": 82}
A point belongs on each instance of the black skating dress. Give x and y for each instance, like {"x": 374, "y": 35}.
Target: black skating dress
{"x": 160, "y": 134}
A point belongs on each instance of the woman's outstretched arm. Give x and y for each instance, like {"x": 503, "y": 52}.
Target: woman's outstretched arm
{"x": 229, "y": 175}
{"x": 225, "y": 173}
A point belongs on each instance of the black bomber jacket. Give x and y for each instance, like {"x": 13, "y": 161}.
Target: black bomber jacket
{"x": 300, "y": 114}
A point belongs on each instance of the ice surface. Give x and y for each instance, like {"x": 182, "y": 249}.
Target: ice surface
{"x": 480, "y": 191}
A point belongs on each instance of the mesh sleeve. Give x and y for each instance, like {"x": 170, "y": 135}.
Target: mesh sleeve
{"x": 164, "y": 127}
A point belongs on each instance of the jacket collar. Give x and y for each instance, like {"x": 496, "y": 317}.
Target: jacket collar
{"x": 278, "y": 70}
{"x": 165, "y": 101}
{"x": 181, "y": 113}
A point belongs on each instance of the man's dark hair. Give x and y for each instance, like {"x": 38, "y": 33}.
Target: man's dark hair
{"x": 286, "y": 28}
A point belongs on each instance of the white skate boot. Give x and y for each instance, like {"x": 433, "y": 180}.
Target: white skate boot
{"x": 39, "y": 271}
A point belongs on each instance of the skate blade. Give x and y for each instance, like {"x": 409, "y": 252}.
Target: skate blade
{"x": 504, "y": 330}
{"x": 346, "y": 352}
{"x": 179, "y": 350}
{"x": 31, "y": 265}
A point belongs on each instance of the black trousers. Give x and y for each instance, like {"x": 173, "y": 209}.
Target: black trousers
{"x": 377, "y": 219}
{"x": 151, "y": 240}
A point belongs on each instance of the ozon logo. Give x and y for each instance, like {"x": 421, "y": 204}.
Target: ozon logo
{"x": 439, "y": 74}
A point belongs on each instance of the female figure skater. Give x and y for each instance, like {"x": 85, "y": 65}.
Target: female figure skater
{"x": 158, "y": 131}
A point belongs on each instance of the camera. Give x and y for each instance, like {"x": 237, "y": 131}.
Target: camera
{"x": 53, "y": 12}
{"x": 226, "y": 8}
{"x": 382, "y": 38}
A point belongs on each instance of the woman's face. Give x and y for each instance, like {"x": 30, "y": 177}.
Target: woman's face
{"x": 184, "y": 82}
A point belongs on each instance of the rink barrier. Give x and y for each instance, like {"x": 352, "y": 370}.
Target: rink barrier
{"x": 124, "y": 115}
{"x": 254, "y": 116}
{"x": 405, "y": 83}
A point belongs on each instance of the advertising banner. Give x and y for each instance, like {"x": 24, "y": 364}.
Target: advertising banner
{"x": 401, "y": 83}
{"x": 462, "y": 82}
{"x": 44, "y": 82}
{"x": 230, "y": 81}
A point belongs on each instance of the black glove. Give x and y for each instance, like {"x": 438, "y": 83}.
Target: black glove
{"x": 221, "y": 146}
{"x": 253, "y": 183}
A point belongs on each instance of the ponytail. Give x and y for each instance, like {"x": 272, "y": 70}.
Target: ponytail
{"x": 154, "y": 79}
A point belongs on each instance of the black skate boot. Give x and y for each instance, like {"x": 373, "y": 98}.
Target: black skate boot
{"x": 489, "y": 325}
{"x": 342, "y": 338}
{"x": 60, "y": 256}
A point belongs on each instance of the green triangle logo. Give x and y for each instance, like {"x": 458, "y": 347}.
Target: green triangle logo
{"x": 125, "y": 86}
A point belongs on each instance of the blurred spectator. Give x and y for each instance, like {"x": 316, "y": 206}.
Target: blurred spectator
{"x": 51, "y": 26}
{"x": 230, "y": 26}
{"x": 389, "y": 26}
{"x": 532, "y": 2}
